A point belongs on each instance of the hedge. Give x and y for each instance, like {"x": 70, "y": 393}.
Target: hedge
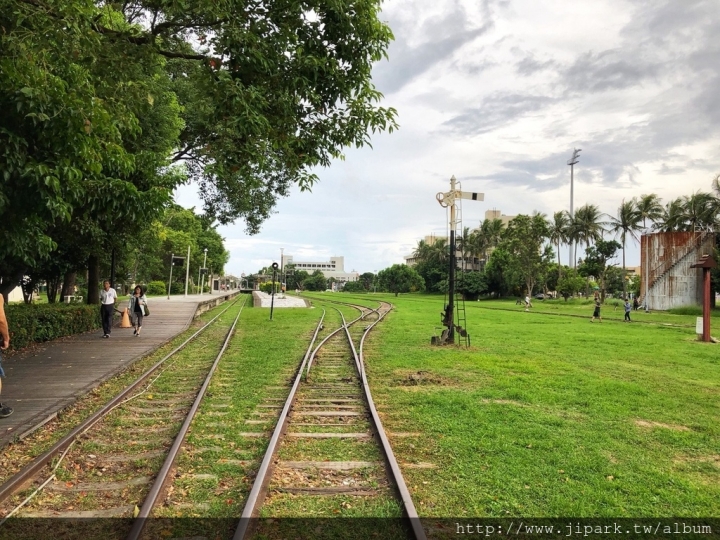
{"x": 157, "y": 288}
{"x": 33, "y": 323}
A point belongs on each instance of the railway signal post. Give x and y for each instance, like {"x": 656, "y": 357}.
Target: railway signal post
{"x": 449, "y": 200}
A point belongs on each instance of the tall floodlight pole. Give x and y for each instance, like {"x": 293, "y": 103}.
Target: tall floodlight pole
{"x": 447, "y": 200}
{"x": 572, "y": 161}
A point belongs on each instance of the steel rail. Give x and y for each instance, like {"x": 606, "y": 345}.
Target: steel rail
{"x": 32, "y": 468}
{"x": 312, "y": 356}
{"x": 161, "y": 478}
{"x": 264, "y": 472}
{"x": 407, "y": 501}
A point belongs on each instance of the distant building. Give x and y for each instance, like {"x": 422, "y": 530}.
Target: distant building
{"x": 497, "y": 214}
{"x": 334, "y": 268}
{"x": 668, "y": 258}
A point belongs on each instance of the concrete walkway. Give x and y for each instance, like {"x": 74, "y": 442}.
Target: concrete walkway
{"x": 262, "y": 299}
{"x": 46, "y": 378}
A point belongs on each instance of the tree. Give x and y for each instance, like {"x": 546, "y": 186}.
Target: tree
{"x": 626, "y": 223}
{"x": 472, "y": 285}
{"x": 587, "y": 225}
{"x": 400, "y": 278}
{"x": 367, "y": 279}
{"x": 596, "y": 261}
{"x": 316, "y": 282}
{"x": 523, "y": 242}
{"x": 570, "y": 284}
{"x": 99, "y": 99}
{"x": 354, "y": 286}
{"x": 558, "y": 230}
{"x": 650, "y": 208}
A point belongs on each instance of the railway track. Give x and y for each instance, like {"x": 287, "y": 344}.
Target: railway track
{"x": 329, "y": 445}
{"x": 117, "y": 462}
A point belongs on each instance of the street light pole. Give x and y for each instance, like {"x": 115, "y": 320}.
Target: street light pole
{"x": 572, "y": 161}
{"x": 172, "y": 258}
{"x": 203, "y": 275}
{"x": 282, "y": 272}
{"x": 187, "y": 272}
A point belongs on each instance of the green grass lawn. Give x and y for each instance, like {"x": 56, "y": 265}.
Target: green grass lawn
{"x": 547, "y": 414}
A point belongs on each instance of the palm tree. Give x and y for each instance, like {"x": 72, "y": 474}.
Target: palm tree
{"x": 649, "y": 206}
{"x": 671, "y": 218}
{"x": 587, "y": 225}
{"x": 558, "y": 230}
{"x": 478, "y": 244}
{"x": 463, "y": 244}
{"x": 626, "y": 223}
{"x": 698, "y": 211}
{"x": 422, "y": 251}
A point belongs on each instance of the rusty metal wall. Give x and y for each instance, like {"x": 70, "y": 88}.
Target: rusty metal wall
{"x": 666, "y": 259}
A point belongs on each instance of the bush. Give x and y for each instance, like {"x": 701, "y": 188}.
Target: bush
{"x": 157, "y": 287}
{"x": 33, "y": 323}
{"x": 268, "y": 285}
{"x": 177, "y": 288}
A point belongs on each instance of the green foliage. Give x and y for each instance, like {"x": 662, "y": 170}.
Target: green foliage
{"x": 32, "y": 323}
{"x": 527, "y": 261}
{"x": 472, "y": 285}
{"x": 267, "y": 287}
{"x": 596, "y": 261}
{"x": 400, "y": 278}
{"x": 316, "y": 282}
{"x": 177, "y": 288}
{"x": 157, "y": 288}
{"x": 354, "y": 286}
{"x": 570, "y": 284}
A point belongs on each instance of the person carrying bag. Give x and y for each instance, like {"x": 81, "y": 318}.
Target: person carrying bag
{"x": 138, "y": 309}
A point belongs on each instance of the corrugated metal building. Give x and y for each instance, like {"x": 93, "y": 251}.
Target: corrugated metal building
{"x": 666, "y": 259}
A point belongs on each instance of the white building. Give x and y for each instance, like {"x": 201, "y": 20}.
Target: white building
{"x": 334, "y": 268}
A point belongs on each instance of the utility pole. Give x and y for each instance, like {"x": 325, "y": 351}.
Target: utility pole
{"x": 203, "y": 271}
{"x": 172, "y": 260}
{"x": 572, "y": 162}
{"x": 448, "y": 200}
{"x": 187, "y": 272}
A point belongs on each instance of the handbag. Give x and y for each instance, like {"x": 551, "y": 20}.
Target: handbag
{"x": 146, "y": 309}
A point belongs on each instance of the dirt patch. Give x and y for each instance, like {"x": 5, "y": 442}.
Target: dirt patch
{"x": 712, "y": 459}
{"x": 424, "y": 378}
{"x": 649, "y": 424}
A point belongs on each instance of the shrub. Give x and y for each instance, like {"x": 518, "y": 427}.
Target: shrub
{"x": 33, "y": 323}
{"x": 267, "y": 287}
{"x": 157, "y": 287}
{"x": 177, "y": 288}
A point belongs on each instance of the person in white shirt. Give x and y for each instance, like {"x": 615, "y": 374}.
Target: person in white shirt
{"x": 108, "y": 296}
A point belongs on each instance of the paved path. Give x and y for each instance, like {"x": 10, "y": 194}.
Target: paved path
{"x": 281, "y": 300}
{"x": 42, "y": 381}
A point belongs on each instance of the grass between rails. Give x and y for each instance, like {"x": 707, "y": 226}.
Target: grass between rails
{"x": 549, "y": 415}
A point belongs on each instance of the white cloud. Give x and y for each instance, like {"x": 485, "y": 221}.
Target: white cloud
{"x": 498, "y": 93}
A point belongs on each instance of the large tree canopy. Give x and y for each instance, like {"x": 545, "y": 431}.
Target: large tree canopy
{"x": 100, "y": 98}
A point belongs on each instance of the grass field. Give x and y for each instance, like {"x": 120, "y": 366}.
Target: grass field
{"x": 547, "y": 414}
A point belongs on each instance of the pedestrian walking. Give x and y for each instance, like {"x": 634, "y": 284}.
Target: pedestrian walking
{"x": 636, "y": 304}
{"x": 628, "y": 307}
{"x": 108, "y": 297}
{"x": 528, "y": 304}
{"x": 5, "y": 411}
{"x": 596, "y": 313}
{"x": 138, "y": 309}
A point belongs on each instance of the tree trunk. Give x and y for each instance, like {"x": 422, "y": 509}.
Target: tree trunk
{"x": 559, "y": 263}
{"x": 93, "y": 296}
{"x": 624, "y": 275}
{"x": 68, "y": 286}
{"x": 9, "y": 283}
{"x": 52, "y": 288}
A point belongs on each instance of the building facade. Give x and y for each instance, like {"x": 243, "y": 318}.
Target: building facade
{"x": 666, "y": 260}
{"x": 334, "y": 268}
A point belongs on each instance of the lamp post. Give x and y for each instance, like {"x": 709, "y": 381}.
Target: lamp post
{"x": 203, "y": 273}
{"x": 572, "y": 161}
{"x": 187, "y": 272}
{"x": 172, "y": 259}
{"x": 282, "y": 272}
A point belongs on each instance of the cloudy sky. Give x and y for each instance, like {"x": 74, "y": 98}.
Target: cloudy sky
{"x": 498, "y": 93}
